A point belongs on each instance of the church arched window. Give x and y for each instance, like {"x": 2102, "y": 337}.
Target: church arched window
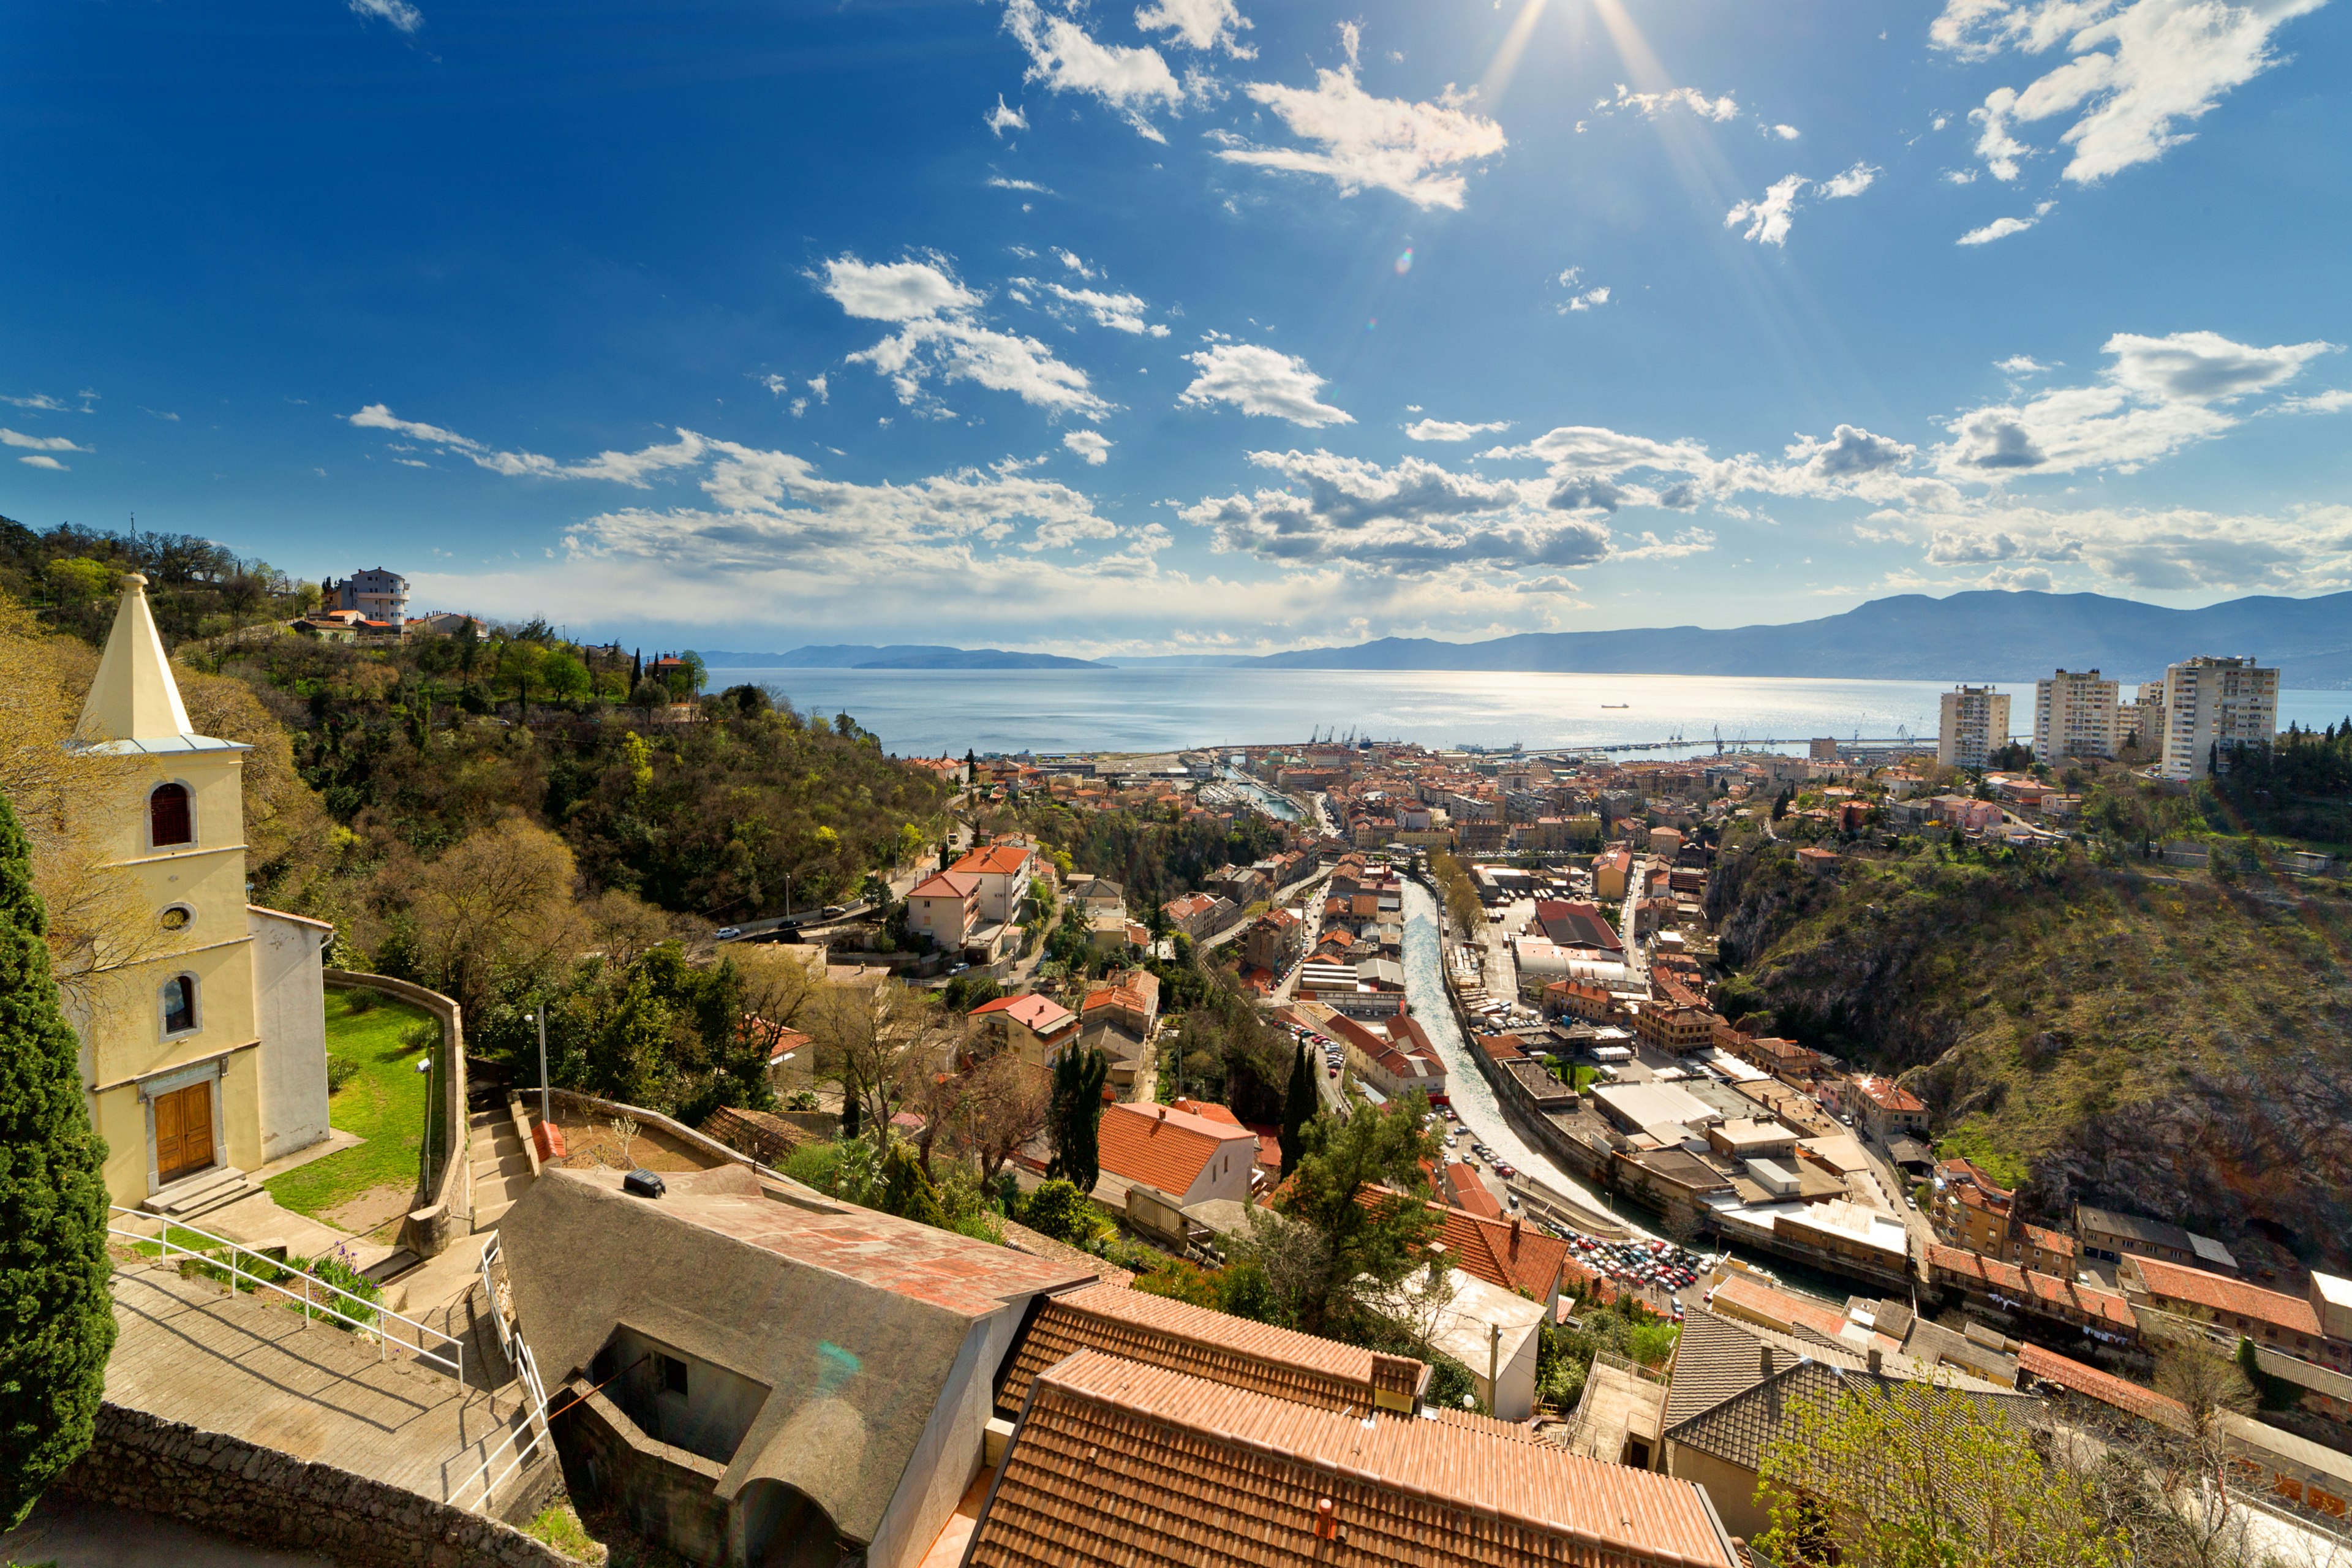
{"x": 179, "y": 1004}
{"x": 169, "y": 819}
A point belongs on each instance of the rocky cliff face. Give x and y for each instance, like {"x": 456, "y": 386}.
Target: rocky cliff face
{"x": 2173, "y": 1048}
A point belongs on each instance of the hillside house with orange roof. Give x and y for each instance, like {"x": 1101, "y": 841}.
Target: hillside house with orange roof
{"x": 1190, "y": 1158}
{"x": 1037, "y": 1027}
{"x": 1003, "y": 871}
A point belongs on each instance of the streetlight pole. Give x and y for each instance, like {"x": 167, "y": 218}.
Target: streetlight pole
{"x": 540, "y": 1016}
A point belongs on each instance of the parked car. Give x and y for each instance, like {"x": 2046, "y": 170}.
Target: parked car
{"x": 831, "y": 910}
{"x": 727, "y": 933}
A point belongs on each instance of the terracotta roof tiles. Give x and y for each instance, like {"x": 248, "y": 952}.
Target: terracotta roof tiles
{"x": 2232, "y": 1298}
{"x": 1237, "y": 1352}
{"x": 1120, "y": 1463}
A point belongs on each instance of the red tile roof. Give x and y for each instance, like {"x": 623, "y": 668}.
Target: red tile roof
{"x": 1238, "y": 1353}
{"x": 1207, "y": 1111}
{"x": 1470, "y": 1194}
{"x": 1120, "y": 1463}
{"x": 1163, "y": 1147}
{"x": 1038, "y": 1014}
{"x": 997, "y": 860}
{"x": 1888, "y": 1095}
{"x": 1741, "y": 1296}
{"x": 2230, "y": 1298}
{"x": 2106, "y": 1387}
{"x": 1504, "y": 1253}
{"x": 947, "y": 885}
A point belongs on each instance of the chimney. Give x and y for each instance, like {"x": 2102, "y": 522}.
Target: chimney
{"x": 1327, "y": 1520}
{"x": 1764, "y": 1359}
{"x": 1876, "y": 1358}
{"x": 1515, "y": 1238}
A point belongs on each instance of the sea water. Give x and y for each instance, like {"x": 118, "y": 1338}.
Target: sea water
{"x": 929, "y": 712}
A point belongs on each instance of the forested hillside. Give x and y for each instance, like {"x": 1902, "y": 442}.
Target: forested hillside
{"x": 2162, "y": 1043}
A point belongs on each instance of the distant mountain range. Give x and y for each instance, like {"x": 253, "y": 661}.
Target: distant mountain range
{"x": 895, "y": 656}
{"x": 1988, "y": 635}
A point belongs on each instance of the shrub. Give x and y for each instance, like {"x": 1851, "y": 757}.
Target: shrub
{"x": 340, "y": 1070}
{"x": 1059, "y": 1210}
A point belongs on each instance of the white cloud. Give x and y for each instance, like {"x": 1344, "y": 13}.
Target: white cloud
{"x": 41, "y": 401}
{"x": 942, "y": 336}
{"x": 1417, "y": 150}
{"x": 1414, "y": 517}
{"x": 1852, "y": 183}
{"x": 1687, "y": 99}
{"x": 1062, "y": 56}
{"x": 1769, "y": 216}
{"x": 1787, "y": 132}
{"x": 1091, "y": 445}
{"x": 1580, "y": 300}
{"x": 2332, "y": 402}
{"x": 1258, "y": 380}
{"x": 38, "y": 442}
{"x": 621, "y": 467}
{"x": 42, "y": 463}
{"x": 817, "y": 388}
{"x": 2308, "y": 549}
{"x": 1999, "y": 229}
{"x": 1849, "y": 453}
{"x": 2158, "y": 395}
{"x": 1591, "y": 466}
{"x": 1004, "y": 118}
{"x": 895, "y": 291}
{"x": 1123, "y": 312}
{"x": 2137, "y": 72}
{"x": 399, "y": 13}
{"x": 1071, "y": 261}
{"x": 999, "y": 183}
{"x": 1197, "y": 24}
{"x": 2021, "y": 365}
{"x": 1448, "y": 430}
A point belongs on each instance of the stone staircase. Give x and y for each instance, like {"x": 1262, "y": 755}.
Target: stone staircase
{"x": 502, "y": 1168}
{"x": 199, "y": 1196}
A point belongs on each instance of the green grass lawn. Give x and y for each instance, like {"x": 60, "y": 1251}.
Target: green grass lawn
{"x": 384, "y": 1102}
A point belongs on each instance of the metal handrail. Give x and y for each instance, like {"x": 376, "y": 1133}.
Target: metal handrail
{"x": 377, "y": 1313}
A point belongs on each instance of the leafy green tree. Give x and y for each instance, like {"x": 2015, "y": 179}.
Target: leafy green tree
{"x": 1076, "y": 1117}
{"x": 907, "y": 1191}
{"x": 1358, "y": 1186}
{"x": 56, "y": 1317}
{"x": 627, "y": 1055}
{"x": 1297, "y": 1110}
{"x": 1908, "y": 1475}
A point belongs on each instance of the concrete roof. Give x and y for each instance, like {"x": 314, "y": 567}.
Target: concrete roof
{"x": 854, "y": 1320}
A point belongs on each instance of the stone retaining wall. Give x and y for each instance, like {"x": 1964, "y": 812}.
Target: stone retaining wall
{"x": 223, "y": 1483}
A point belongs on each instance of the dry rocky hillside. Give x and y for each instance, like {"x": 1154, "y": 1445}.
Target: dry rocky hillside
{"x": 2166, "y": 1045}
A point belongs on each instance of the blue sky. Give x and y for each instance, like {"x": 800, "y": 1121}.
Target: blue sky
{"x": 1198, "y": 325}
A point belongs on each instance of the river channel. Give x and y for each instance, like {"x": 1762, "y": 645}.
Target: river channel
{"x": 1472, "y": 1096}
{"x": 1474, "y": 1100}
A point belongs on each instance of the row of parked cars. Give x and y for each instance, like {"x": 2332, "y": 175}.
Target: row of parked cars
{"x": 1334, "y": 1058}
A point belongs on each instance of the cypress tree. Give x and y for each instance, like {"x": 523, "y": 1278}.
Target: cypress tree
{"x": 57, "y": 1315}
{"x": 1297, "y": 1110}
{"x": 1078, "y": 1077}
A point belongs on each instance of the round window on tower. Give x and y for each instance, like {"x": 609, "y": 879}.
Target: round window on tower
{"x": 179, "y": 917}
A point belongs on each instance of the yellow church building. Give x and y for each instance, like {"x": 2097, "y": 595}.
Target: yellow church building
{"x": 205, "y": 1054}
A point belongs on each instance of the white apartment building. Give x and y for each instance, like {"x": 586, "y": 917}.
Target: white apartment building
{"x": 2074, "y": 715}
{"x": 2212, "y": 705}
{"x": 1974, "y": 724}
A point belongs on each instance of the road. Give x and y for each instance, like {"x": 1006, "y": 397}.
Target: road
{"x": 1637, "y": 958}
